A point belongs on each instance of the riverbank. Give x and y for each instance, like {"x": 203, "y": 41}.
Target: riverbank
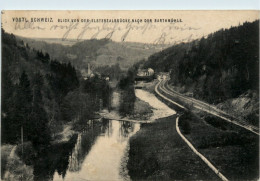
{"x": 158, "y": 153}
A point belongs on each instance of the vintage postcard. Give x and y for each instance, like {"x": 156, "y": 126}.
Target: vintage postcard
{"x": 129, "y": 95}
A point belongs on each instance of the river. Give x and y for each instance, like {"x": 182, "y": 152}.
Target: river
{"x": 100, "y": 152}
{"x": 160, "y": 110}
{"x": 104, "y": 160}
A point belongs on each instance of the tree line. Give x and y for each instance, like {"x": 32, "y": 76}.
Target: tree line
{"x": 39, "y": 94}
{"x": 220, "y": 66}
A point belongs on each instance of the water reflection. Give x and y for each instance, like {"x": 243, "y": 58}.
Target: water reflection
{"x": 63, "y": 157}
{"x": 97, "y": 155}
{"x": 55, "y": 158}
{"x": 126, "y": 128}
{"x": 85, "y": 140}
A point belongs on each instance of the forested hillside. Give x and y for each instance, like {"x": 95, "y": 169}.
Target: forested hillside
{"x": 98, "y": 53}
{"x": 223, "y": 65}
{"x": 40, "y": 94}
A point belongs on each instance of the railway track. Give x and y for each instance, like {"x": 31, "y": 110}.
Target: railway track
{"x": 163, "y": 87}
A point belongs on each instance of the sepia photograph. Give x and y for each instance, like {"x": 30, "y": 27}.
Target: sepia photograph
{"x": 129, "y": 95}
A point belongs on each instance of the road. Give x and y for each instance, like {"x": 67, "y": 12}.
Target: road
{"x": 169, "y": 94}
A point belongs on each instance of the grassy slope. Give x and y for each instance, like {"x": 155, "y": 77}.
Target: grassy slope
{"x": 157, "y": 152}
{"x": 232, "y": 149}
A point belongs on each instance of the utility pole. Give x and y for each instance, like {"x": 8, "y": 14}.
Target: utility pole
{"x": 22, "y": 138}
{"x": 22, "y": 146}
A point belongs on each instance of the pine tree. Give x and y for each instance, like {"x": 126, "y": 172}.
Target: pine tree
{"x": 38, "y": 128}
{"x": 22, "y": 106}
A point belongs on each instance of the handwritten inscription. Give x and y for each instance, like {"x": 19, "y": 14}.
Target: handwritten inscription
{"x": 167, "y": 30}
{"x": 27, "y": 25}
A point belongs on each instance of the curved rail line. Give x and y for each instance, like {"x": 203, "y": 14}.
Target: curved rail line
{"x": 208, "y": 108}
{"x": 156, "y": 90}
{"x": 201, "y": 103}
